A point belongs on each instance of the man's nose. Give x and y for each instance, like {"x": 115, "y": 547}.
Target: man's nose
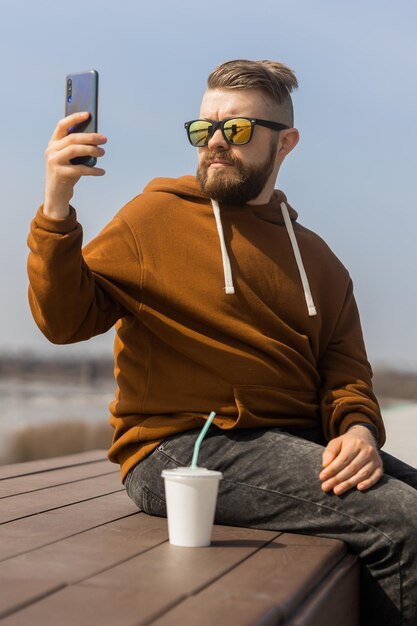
{"x": 217, "y": 141}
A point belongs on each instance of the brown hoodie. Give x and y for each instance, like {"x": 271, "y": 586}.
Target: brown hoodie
{"x": 260, "y": 352}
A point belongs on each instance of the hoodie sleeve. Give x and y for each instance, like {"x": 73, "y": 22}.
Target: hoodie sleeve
{"x": 346, "y": 394}
{"x": 71, "y": 298}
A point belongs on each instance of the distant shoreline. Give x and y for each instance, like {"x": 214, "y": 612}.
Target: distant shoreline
{"x": 390, "y": 385}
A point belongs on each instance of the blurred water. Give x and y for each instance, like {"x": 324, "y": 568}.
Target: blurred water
{"x": 28, "y": 402}
{"x": 33, "y": 408}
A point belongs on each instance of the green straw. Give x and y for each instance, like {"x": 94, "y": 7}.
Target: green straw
{"x": 200, "y": 438}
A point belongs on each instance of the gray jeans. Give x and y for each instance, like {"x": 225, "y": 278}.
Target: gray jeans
{"x": 271, "y": 482}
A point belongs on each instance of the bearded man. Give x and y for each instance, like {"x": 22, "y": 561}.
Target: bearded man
{"x": 223, "y": 302}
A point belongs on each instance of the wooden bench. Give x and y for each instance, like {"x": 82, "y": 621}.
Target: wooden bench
{"x": 74, "y": 550}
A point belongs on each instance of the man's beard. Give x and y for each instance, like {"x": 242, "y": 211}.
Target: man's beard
{"x": 239, "y": 186}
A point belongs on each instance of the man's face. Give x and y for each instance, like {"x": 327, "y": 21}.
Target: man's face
{"x": 239, "y": 174}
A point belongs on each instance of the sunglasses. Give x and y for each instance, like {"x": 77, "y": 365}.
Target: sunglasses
{"x": 236, "y": 130}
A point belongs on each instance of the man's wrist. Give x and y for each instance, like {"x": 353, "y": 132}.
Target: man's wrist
{"x": 371, "y": 427}
{"x": 56, "y": 212}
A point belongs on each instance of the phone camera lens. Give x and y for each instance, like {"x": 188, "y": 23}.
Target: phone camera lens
{"x": 69, "y": 90}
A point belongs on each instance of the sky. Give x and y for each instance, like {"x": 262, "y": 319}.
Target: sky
{"x": 352, "y": 178}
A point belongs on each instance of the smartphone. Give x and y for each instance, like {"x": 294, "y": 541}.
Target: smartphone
{"x": 81, "y": 94}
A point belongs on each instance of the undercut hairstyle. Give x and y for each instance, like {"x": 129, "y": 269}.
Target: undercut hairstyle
{"x": 273, "y": 78}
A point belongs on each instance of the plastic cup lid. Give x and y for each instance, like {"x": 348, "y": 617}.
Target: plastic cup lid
{"x": 191, "y": 472}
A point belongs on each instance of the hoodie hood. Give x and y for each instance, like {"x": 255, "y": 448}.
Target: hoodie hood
{"x": 277, "y": 211}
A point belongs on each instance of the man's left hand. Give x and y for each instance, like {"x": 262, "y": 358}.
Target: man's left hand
{"x": 351, "y": 460}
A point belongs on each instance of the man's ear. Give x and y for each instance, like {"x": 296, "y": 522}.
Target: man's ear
{"x": 287, "y": 141}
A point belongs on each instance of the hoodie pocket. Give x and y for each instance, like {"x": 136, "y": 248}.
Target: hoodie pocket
{"x": 262, "y": 406}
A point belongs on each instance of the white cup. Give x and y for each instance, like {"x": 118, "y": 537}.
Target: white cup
{"x": 191, "y": 496}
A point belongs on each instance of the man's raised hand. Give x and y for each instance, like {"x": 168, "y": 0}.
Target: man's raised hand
{"x": 61, "y": 174}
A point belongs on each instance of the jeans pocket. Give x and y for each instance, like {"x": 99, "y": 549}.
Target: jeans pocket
{"x": 152, "y": 504}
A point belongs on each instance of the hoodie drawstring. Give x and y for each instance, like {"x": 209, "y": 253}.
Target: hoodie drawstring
{"x": 228, "y": 278}
{"x": 290, "y": 230}
{"x": 229, "y": 287}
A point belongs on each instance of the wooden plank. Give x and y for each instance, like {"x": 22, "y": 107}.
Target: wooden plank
{"x": 42, "y": 480}
{"x": 29, "y": 533}
{"x": 45, "y": 465}
{"x": 83, "y": 608}
{"x": 171, "y": 566}
{"x": 229, "y": 608}
{"x": 336, "y": 599}
{"x": 27, "y": 504}
{"x": 17, "y": 594}
{"x": 138, "y": 590}
{"x": 276, "y": 579}
{"x": 40, "y": 572}
{"x": 81, "y": 556}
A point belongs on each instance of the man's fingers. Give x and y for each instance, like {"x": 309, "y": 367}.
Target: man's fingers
{"x": 351, "y": 450}
{"x": 357, "y": 462}
{"x": 93, "y": 139}
{"x": 342, "y": 461}
{"x": 330, "y": 452}
{"x": 64, "y": 126}
{"x": 344, "y": 481}
{"x": 372, "y": 480}
{"x": 82, "y": 151}
{"x": 66, "y": 123}
{"x": 91, "y": 171}
{"x": 361, "y": 485}
{"x": 357, "y": 474}
{"x": 61, "y": 135}
{"x": 345, "y": 475}
{"x": 62, "y": 151}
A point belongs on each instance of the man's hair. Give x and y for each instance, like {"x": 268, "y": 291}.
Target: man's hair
{"x": 273, "y": 78}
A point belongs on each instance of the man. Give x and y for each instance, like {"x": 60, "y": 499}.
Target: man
{"x": 223, "y": 302}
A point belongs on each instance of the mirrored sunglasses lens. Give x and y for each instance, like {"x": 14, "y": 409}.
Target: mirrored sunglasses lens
{"x": 238, "y": 130}
{"x": 199, "y": 132}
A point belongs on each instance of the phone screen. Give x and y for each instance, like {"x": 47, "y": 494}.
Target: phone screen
{"x": 81, "y": 94}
